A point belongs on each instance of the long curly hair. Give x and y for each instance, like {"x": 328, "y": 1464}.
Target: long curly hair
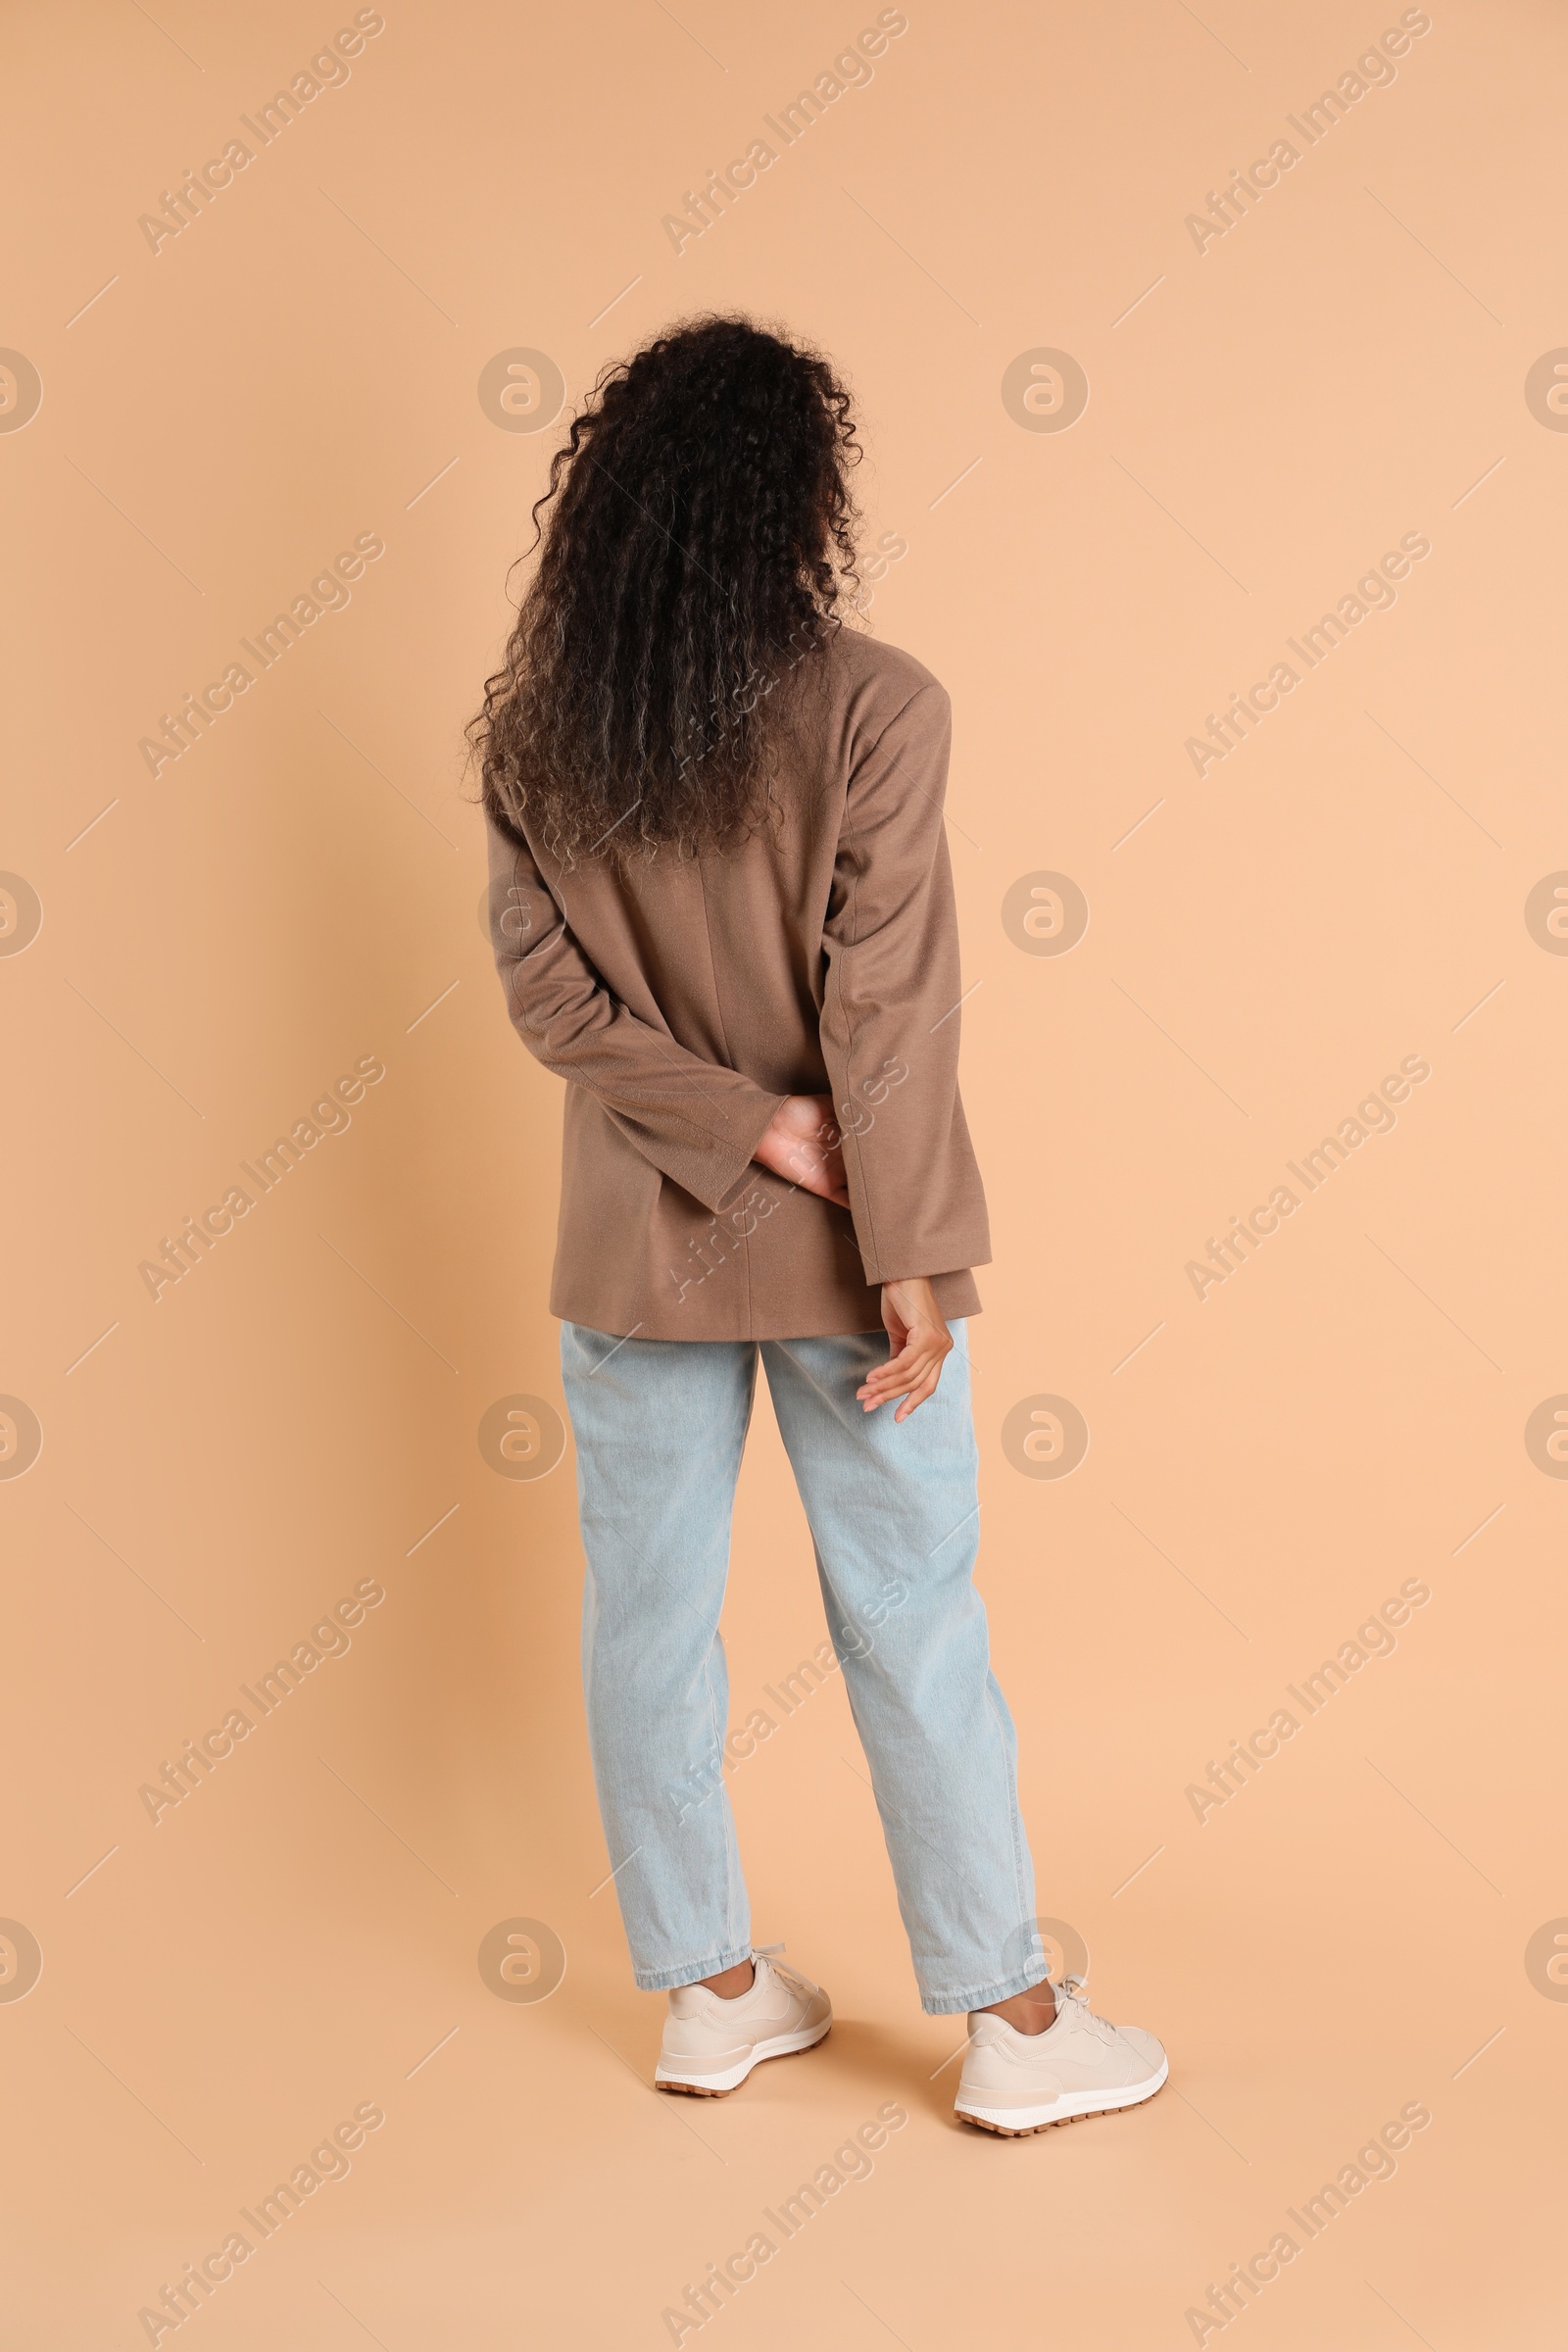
{"x": 697, "y": 547}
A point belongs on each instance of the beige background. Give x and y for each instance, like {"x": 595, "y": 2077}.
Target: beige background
{"x": 299, "y": 890}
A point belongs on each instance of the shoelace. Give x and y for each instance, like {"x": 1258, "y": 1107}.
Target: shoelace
{"x": 1077, "y": 1990}
{"x": 791, "y": 1975}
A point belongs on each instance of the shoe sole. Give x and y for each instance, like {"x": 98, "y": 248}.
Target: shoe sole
{"x": 996, "y": 2119}
{"x": 719, "y": 2086}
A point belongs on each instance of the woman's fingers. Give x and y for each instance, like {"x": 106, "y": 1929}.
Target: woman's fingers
{"x": 912, "y": 1374}
{"x": 819, "y": 1171}
{"x": 920, "y": 1384}
{"x": 902, "y": 1372}
{"x": 927, "y": 1388}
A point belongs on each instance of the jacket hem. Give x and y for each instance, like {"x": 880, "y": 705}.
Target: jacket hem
{"x": 758, "y": 1327}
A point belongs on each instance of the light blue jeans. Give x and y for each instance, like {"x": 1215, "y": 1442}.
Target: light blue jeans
{"x": 660, "y": 1426}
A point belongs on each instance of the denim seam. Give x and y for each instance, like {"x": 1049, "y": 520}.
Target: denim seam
{"x": 1016, "y": 1821}
{"x": 692, "y": 1972}
{"x": 953, "y": 2004}
{"x": 734, "y": 1874}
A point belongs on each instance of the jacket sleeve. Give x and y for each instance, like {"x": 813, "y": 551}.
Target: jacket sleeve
{"x": 890, "y": 1013}
{"x": 697, "y": 1121}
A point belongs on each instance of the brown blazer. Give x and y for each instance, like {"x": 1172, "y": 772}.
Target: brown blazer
{"x": 681, "y": 1002}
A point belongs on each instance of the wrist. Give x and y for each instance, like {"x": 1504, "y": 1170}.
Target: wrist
{"x": 913, "y": 1297}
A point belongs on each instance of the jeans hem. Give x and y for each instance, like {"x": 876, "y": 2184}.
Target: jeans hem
{"x": 953, "y": 2004}
{"x": 692, "y": 1972}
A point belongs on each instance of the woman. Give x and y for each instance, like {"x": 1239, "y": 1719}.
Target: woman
{"x": 722, "y": 912}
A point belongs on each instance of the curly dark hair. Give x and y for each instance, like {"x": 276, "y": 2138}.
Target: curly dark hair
{"x": 700, "y": 547}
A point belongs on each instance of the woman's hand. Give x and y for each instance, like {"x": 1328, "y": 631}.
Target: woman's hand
{"x": 921, "y": 1343}
{"x": 801, "y": 1144}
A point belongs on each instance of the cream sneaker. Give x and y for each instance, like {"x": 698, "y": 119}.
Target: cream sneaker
{"x": 1081, "y": 2065}
{"x": 711, "y": 2045}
